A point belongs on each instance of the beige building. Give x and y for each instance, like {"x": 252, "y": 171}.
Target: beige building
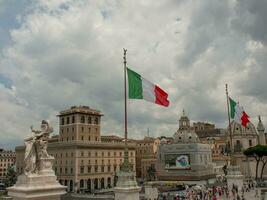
{"x": 7, "y": 158}
{"x": 146, "y": 151}
{"x": 84, "y": 160}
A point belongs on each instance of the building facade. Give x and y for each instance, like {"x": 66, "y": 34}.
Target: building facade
{"x": 7, "y": 158}
{"x": 83, "y": 162}
{"x": 146, "y": 150}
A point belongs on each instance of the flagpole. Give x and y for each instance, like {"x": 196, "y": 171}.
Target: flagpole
{"x": 125, "y": 109}
{"x": 229, "y": 121}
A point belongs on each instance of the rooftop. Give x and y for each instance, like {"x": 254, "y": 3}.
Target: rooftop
{"x": 80, "y": 109}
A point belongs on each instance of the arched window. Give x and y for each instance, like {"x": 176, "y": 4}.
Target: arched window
{"x": 109, "y": 182}
{"x": 71, "y": 185}
{"x": 81, "y": 184}
{"x": 96, "y": 183}
{"x": 102, "y": 183}
{"x": 89, "y": 184}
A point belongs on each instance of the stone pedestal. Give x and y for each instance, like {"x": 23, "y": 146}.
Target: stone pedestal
{"x": 40, "y": 186}
{"x": 127, "y": 187}
{"x": 235, "y": 177}
{"x": 151, "y": 192}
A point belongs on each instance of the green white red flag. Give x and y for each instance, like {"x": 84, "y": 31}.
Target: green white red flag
{"x": 140, "y": 88}
{"x": 238, "y": 114}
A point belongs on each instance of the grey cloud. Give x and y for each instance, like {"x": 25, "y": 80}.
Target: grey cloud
{"x": 251, "y": 19}
{"x": 71, "y": 54}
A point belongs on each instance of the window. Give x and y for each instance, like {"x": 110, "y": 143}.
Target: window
{"x": 89, "y": 153}
{"x": 89, "y": 169}
{"x": 114, "y": 168}
{"x": 82, "y": 137}
{"x": 73, "y": 129}
{"x": 89, "y": 120}
{"x": 102, "y": 168}
{"x": 71, "y": 170}
{"x": 96, "y": 153}
{"x": 67, "y": 130}
{"x": 68, "y": 120}
{"x": 82, "y": 129}
{"x": 82, "y": 169}
{"x": 66, "y": 170}
{"x": 89, "y": 130}
{"x": 62, "y": 121}
{"x": 96, "y": 120}
{"x": 73, "y": 119}
{"x": 96, "y": 168}
{"x": 108, "y": 153}
{"x": 95, "y": 138}
{"x": 72, "y": 137}
{"x": 89, "y": 138}
{"x": 250, "y": 143}
{"x": 82, "y": 119}
{"x": 102, "y": 153}
{"x": 81, "y": 153}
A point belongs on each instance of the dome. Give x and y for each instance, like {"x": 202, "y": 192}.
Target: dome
{"x": 239, "y": 129}
{"x": 185, "y": 136}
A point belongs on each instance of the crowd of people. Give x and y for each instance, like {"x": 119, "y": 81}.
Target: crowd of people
{"x": 215, "y": 192}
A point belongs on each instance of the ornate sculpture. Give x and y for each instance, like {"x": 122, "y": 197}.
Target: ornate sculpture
{"x": 36, "y": 148}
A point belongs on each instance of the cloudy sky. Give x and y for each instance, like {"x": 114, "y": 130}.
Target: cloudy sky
{"x": 59, "y": 53}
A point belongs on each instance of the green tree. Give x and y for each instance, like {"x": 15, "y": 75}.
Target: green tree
{"x": 10, "y": 177}
{"x": 259, "y": 152}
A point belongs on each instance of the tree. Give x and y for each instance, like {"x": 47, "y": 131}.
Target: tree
{"x": 259, "y": 152}
{"x": 10, "y": 178}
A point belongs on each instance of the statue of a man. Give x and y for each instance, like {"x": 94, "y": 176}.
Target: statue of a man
{"x": 36, "y": 148}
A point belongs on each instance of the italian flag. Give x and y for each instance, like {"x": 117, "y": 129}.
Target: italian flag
{"x": 140, "y": 88}
{"x": 238, "y": 114}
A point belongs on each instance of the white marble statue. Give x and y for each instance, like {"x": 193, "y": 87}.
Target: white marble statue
{"x": 36, "y": 148}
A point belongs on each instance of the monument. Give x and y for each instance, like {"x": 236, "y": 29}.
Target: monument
{"x": 38, "y": 182}
{"x": 185, "y": 159}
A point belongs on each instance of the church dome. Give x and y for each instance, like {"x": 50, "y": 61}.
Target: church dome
{"x": 185, "y": 136}
{"x": 239, "y": 129}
